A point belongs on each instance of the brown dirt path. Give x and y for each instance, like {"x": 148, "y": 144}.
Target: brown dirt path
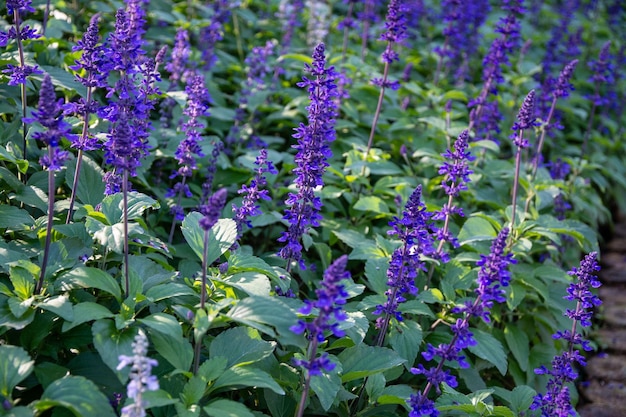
{"x": 604, "y": 391}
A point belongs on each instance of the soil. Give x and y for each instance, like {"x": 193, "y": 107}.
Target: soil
{"x": 604, "y": 391}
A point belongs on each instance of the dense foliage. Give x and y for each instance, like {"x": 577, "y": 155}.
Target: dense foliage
{"x": 276, "y": 208}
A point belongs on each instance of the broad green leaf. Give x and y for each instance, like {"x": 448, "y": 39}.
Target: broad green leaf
{"x": 112, "y": 236}
{"x": 239, "y": 263}
{"x": 210, "y": 370}
{"x": 371, "y": 204}
{"x": 405, "y": 339}
{"x": 376, "y": 274}
{"x": 270, "y": 315}
{"x": 252, "y": 283}
{"x": 476, "y": 229}
{"x": 518, "y": 343}
{"x": 59, "y": 305}
{"x": 48, "y": 372}
{"x": 227, "y": 408}
{"x": 244, "y": 376}
{"x": 169, "y": 290}
{"x": 489, "y": 349}
{"x": 14, "y": 218}
{"x": 158, "y": 398}
{"x": 221, "y": 236}
{"x": 176, "y": 350}
{"x": 23, "y": 282}
{"x": 241, "y": 346}
{"x": 8, "y": 319}
{"x": 361, "y": 361}
{"x": 164, "y": 324}
{"x": 87, "y": 277}
{"x": 111, "y": 343}
{"x": 90, "y": 186}
{"x": 21, "y": 411}
{"x": 167, "y": 336}
{"x": 78, "y": 394}
{"x": 326, "y": 387}
{"x": 15, "y": 365}
{"x": 112, "y": 206}
{"x": 193, "y": 391}
{"x": 521, "y": 398}
{"x": 395, "y": 394}
{"x": 363, "y": 248}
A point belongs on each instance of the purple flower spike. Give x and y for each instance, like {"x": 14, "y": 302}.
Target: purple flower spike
{"x": 212, "y": 209}
{"x": 49, "y": 115}
{"x": 311, "y": 158}
{"x": 405, "y": 262}
{"x": 395, "y": 30}
{"x": 525, "y": 120}
{"x": 563, "y": 85}
{"x": 556, "y": 401}
{"x": 330, "y": 299}
{"x": 492, "y": 277}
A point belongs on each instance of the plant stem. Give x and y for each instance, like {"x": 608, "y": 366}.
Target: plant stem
{"x": 312, "y": 351}
{"x": 178, "y": 201}
{"x": 518, "y": 162}
{"x": 20, "y": 49}
{"x": 46, "y": 16}
{"x": 379, "y": 105}
{"x": 46, "y": 250}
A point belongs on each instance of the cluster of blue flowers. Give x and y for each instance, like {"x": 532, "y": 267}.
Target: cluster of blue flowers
{"x": 556, "y": 401}
{"x": 412, "y": 230}
{"x": 330, "y": 299}
{"x": 312, "y": 156}
{"x": 493, "y": 276}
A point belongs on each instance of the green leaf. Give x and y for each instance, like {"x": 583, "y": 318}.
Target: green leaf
{"x": 405, "y": 339}
{"x": 269, "y": 315}
{"x": 78, "y": 394}
{"x": 395, "y": 394}
{"x": 111, "y": 343}
{"x": 210, "y": 370}
{"x": 167, "y": 336}
{"x": 241, "y": 346}
{"x": 86, "y": 277}
{"x": 371, "y": 204}
{"x": 111, "y": 236}
{"x": 363, "y": 248}
{"x": 15, "y": 365}
{"x": 518, "y": 343}
{"x": 244, "y": 376}
{"x": 252, "y": 283}
{"x": 521, "y": 398}
{"x": 90, "y": 186}
{"x": 59, "y": 305}
{"x": 326, "y": 387}
{"x": 376, "y": 274}
{"x": 112, "y": 206}
{"x": 227, "y": 408}
{"x": 489, "y": 349}
{"x": 14, "y": 218}
{"x": 168, "y": 290}
{"x": 221, "y": 236}
{"x": 362, "y": 360}
{"x": 476, "y": 229}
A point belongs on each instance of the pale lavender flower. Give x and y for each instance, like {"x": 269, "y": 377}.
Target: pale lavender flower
{"x": 141, "y": 378}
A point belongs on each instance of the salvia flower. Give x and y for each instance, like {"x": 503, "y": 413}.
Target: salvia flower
{"x": 189, "y": 149}
{"x": 330, "y": 299}
{"x": 556, "y": 401}
{"x": 603, "y": 74}
{"x": 311, "y": 158}
{"x": 18, "y": 32}
{"x": 405, "y": 262}
{"x": 395, "y": 30}
{"x": 213, "y": 208}
{"x": 318, "y": 23}
{"x": 492, "y": 277}
{"x": 456, "y": 171}
{"x": 141, "y": 378}
{"x": 253, "y": 193}
{"x": 525, "y": 120}
{"x": 563, "y": 85}
{"x": 49, "y": 115}
{"x": 213, "y": 33}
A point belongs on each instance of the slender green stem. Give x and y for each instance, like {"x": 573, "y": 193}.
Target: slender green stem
{"x": 79, "y": 159}
{"x": 20, "y": 49}
{"x": 379, "y": 105}
{"x": 46, "y": 250}
{"x": 174, "y": 221}
{"x": 518, "y": 162}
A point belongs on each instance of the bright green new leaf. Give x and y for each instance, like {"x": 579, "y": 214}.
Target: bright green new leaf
{"x": 86, "y": 277}
{"x": 245, "y": 376}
